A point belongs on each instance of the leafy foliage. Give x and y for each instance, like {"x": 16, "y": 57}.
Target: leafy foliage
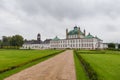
{"x": 11, "y": 42}
{"x": 111, "y": 46}
{"x": 118, "y": 46}
{"x": 16, "y": 40}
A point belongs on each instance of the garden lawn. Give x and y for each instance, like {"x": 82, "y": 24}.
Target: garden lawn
{"x": 80, "y": 72}
{"x": 11, "y": 58}
{"x": 107, "y": 65}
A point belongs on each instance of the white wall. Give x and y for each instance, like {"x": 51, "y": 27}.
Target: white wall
{"x": 68, "y": 43}
{"x": 76, "y": 43}
{"x": 35, "y": 46}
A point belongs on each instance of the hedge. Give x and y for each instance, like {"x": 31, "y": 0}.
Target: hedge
{"x": 89, "y": 70}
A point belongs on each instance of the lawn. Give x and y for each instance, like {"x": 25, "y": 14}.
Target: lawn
{"x": 21, "y": 59}
{"x": 106, "y": 65}
{"x": 80, "y": 73}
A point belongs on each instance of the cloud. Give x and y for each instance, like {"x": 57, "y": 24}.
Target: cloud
{"x": 52, "y": 17}
{"x": 70, "y": 8}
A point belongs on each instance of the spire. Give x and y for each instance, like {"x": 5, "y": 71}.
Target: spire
{"x": 66, "y": 30}
{"x": 79, "y": 28}
{"x": 89, "y": 33}
{"x": 66, "y": 33}
{"x": 79, "y": 32}
{"x": 38, "y": 37}
{"x": 84, "y": 32}
{"x": 75, "y": 27}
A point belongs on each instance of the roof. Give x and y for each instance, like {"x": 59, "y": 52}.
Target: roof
{"x": 47, "y": 41}
{"x": 89, "y": 36}
{"x": 98, "y": 38}
{"x": 56, "y": 39}
{"x": 75, "y": 31}
{"x": 32, "y": 42}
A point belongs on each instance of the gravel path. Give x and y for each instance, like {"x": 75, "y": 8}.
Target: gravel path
{"x": 60, "y": 67}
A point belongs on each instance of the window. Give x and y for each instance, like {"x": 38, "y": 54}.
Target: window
{"x": 76, "y": 45}
{"x": 79, "y": 45}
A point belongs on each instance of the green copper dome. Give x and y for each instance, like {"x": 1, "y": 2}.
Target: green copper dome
{"x": 89, "y": 36}
{"x": 56, "y": 39}
{"x": 75, "y": 31}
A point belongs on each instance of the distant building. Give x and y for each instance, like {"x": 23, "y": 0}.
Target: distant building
{"x": 37, "y": 44}
{"x": 75, "y": 39}
{"x": 105, "y": 45}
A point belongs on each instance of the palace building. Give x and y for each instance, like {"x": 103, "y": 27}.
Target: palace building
{"x": 75, "y": 39}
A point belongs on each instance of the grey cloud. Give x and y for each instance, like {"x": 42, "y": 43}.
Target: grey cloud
{"x": 52, "y": 17}
{"x": 71, "y": 8}
{"x": 111, "y": 28}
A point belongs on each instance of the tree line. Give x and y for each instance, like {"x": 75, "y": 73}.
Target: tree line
{"x": 14, "y": 41}
{"x": 112, "y": 46}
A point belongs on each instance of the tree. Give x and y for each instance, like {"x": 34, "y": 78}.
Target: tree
{"x": 111, "y": 45}
{"x": 0, "y": 43}
{"x": 6, "y": 41}
{"x": 16, "y": 40}
{"x": 118, "y": 46}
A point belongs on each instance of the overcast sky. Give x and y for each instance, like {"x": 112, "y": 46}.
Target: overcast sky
{"x": 51, "y": 18}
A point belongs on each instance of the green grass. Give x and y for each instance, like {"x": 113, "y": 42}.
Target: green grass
{"x": 9, "y": 58}
{"x": 106, "y": 65}
{"x": 80, "y": 73}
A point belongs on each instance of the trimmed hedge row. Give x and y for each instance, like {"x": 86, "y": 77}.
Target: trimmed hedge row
{"x": 10, "y": 47}
{"x": 89, "y": 70}
{"x": 93, "y": 52}
{"x": 16, "y": 66}
{"x": 113, "y": 49}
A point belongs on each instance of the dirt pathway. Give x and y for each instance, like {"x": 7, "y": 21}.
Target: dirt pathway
{"x": 60, "y": 67}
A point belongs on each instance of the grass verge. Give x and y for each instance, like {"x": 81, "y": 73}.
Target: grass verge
{"x": 88, "y": 69}
{"x": 80, "y": 72}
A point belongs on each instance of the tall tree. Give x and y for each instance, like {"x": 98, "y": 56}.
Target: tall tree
{"x": 118, "y": 46}
{"x": 0, "y": 43}
{"x": 6, "y": 41}
{"x": 111, "y": 45}
{"x": 17, "y": 40}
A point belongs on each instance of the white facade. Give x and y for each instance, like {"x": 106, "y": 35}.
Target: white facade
{"x": 105, "y": 45}
{"x": 35, "y": 46}
{"x": 76, "y": 44}
{"x": 75, "y": 39}
{"x": 67, "y": 43}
